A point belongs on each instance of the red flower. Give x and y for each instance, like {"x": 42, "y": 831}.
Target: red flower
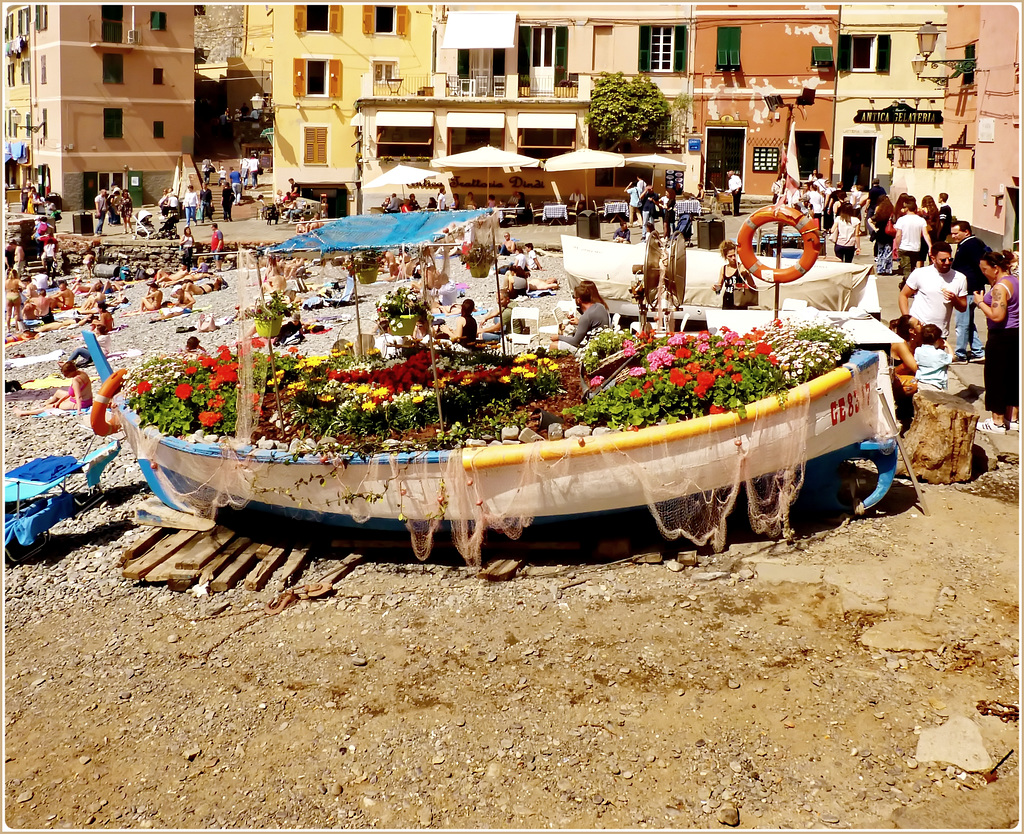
{"x": 683, "y": 353}
{"x": 728, "y": 353}
{"x": 717, "y": 409}
{"x": 216, "y": 402}
{"x": 257, "y": 342}
{"x": 183, "y": 391}
{"x": 773, "y": 359}
{"x": 677, "y": 377}
{"x": 762, "y": 349}
{"x": 143, "y": 387}
{"x": 293, "y": 349}
{"x": 737, "y": 377}
{"x": 650, "y": 383}
{"x": 208, "y": 418}
{"x": 191, "y": 369}
{"x": 705, "y": 379}
{"x": 636, "y": 393}
{"x": 207, "y": 361}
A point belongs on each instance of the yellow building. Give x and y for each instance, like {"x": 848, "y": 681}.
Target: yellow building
{"x": 20, "y": 23}
{"x": 322, "y": 58}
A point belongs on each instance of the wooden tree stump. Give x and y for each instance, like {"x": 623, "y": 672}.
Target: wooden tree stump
{"x": 940, "y": 439}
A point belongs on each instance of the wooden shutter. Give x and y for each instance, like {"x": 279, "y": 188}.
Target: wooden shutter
{"x": 300, "y": 18}
{"x": 314, "y": 146}
{"x": 561, "y": 50}
{"x": 884, "y": 45}
{"x": 462, "y": 63}
{"x": 845, "y": 60}
{"x": 334, "y": 18}
{"x": 722, "y": 48}
{"x": 402, "y": 21}
{"x": 734, "y": 47}
{"x": 644, "y": 60}
{"x": 525, "y": 36}
{"x": 334, "y": 78}
{"x": 679, "y": 50}
{"x": 368, "y": 20}
{"x": 298, "y": 77}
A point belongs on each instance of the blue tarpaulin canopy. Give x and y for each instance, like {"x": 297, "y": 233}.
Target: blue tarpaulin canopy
{"x": 374, "y": 231}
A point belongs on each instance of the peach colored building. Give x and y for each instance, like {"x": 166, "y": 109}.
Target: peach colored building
{"x": 114, "y": 87}
{"x": 743, "y": 53}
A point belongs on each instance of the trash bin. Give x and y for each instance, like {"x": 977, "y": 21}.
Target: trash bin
{"x": 710, "y": 233}
{"x": 81, "y": 222}
{"x": 57, "y": 200}
{"x": 588, "y": 225}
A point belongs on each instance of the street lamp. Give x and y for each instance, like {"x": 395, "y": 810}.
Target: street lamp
{"x": 927, "y": 38}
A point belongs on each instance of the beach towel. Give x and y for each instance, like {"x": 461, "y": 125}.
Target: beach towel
{"x": 54, "y": 381}
{"x": 125, "y": 354}
{"x": 26, "y": 395}
{"x": 33, "y": 360}
{"x": 540, "y": 293}
{"x": 12, "y": 338}
{"x": 58, "y": 412}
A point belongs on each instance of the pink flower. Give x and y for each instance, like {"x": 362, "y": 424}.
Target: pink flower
{"x": 677, "y": 339}
{"x": 702, "y": 347}
{"x": 637, "y": 371}
{"x": 629, "y": 348}
{"x": 597, "y": 380}
{"x": 660, "y": 358}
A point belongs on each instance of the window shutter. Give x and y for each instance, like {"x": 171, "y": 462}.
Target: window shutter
{"x": 368, "y": 26}
{"x": 722, "y": 48}
{"x": 300, "y": 18}
{"x": 845, "y": 60}
{"x": 970, "y": 52}
{"x": 334, "y": 18}
{"x": 644, "y": 60}
{"x": 462, "y": 63}
{"x": 298, "y": 77}
{"x": 679, "y": 50}
{"x": 884, "y": 50}
{"x": 734, "y": 48}
{"x": 308, "y": 144}
{"x": 334, "y": 82}
{"x": 562, "y": 49}
{"x": 525, "y": 35}
{"x": 402, "y": 21}
{"x": 314, "y": 150}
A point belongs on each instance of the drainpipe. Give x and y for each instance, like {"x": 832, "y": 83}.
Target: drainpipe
{"x": 835, "y": 101}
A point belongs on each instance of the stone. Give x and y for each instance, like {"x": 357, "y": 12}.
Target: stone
{"x": 528, "y": 435}
{"x": 601, "y": 430}
{"x": 745, "y": 574}
{"x": 578, "y": 431}
{"x": 957, "y": 742}
{"x": 510, "y": 433}
{"x": 556, "y": 431}
{"x": 709, "y": 576}
{"x": 24, "y": 796}
{"x": 474, "y": 442}
{"x": 902, "y": 635}
{"x": 728, "y": 815}
{"x": 191, "y": 752}
{"x": 940, "y": 440}
{"x": 674, "y": 565}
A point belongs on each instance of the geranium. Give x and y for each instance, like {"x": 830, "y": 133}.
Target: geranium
{"x": 183, "y": 391}
{"x": 210, "y": 418}
{"x": 143, "y": 387}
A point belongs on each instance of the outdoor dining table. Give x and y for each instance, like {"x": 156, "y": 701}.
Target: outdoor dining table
{"x": 556, "y": 211}
{"x": 615, "y": 207}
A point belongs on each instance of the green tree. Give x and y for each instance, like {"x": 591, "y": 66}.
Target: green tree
{"x": 622, "y": 109}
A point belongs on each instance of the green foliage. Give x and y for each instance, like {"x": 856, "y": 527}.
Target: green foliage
{"x": 276, "y": 305}
{"x": 622, "y": 109}
{"x": 599, "y": 347}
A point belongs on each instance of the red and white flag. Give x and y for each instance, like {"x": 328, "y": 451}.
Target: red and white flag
{"x": 791, "y": 170}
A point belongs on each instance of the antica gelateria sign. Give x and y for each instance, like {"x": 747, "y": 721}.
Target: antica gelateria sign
{"x": 899, "y": 114}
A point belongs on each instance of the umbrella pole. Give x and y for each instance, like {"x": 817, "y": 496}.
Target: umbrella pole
{"x": 778, "y": 266}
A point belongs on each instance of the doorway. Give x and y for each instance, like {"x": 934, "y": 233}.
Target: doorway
{"x": 858, "y": 161}
{"x": 725, "y": 153}
{"x": 542, "y": 55}
{"x": 808, "y": 149}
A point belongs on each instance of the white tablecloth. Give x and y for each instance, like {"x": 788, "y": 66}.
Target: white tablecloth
{"x": 555, "y": 211}
{"x": 617, "y": 207}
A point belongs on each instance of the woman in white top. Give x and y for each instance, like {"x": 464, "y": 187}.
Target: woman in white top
{"x": 845, "y": 234}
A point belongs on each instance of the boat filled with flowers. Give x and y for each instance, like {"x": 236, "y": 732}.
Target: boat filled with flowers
{"x": 475, "y": 440}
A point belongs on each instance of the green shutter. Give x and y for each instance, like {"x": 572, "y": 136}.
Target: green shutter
{"x": 722, "y": 49}
{"x": 970, "y": 52}
{"x": 525, "y": 36}
{"x": 821, "y": 56}
{"x": 728, "y": 50}
{"x": 462, "y": 63}
{"x": 679, "y": 50}
{"x": 561, "y": 52}
{"x": 734, "y": 48}
{"x": 884, "y": 50}
{"x": 845, "y": 53}
{"x": 644, "y": 61}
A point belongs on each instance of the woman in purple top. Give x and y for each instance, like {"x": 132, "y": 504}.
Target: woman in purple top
{"x": 1001, "y": 306}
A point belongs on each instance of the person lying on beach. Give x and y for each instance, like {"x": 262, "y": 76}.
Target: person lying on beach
{"x": 77, "y": 397}
{"x": 192, "y": 345}
{"x": 170, "y": 313}
{"x": 153, "y": 300}
{"x": 165, "y": 278}
{"x": 184, "y": 295}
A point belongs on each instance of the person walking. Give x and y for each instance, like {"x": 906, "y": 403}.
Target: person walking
{"x": 206, "y": 203}
{"x": 932, "y": 292}
{"x": 946, "y": 216}
{"x": 735, "y": 187}
{"x": 227, "y": 198}
{"x": 191, "y": 203}
{"x": 969, "y": 251}
{"x": 235, "y": 178}
{"x": 187, "y": 244}
{"x": 216, "y": 243}
{"x": 633, "y": 191}
{"x": 1001, "y": 306}
{"x": 911, "y": 235}
{"x": 881, "y": 231}
{"x": 846, "y": 234}
{"x": 100, "y": 201}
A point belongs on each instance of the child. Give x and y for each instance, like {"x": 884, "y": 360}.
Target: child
{"x": 932, "y": 360}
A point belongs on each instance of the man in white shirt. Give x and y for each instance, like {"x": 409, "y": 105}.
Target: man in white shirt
{"x": 191, "y": 204}
{"x": 911, "y": 230}
{"x": 442, "y": 199}
{"x": 735, "y": 187}
{"x": 101, "y": 209}
{"x": 936, "y": 290}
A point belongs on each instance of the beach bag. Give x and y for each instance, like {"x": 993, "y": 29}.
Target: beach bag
{"x": 207, "y": 324}
{"x": 744, "y": 296}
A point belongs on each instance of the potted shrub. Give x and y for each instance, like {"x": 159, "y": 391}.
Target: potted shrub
{"x": 269, "y": 313}
{"x": 367, "y": 264}
{"x": 401, "y": 309}
{"x": 524, "y": 85}
{"x": 479, "y": 259}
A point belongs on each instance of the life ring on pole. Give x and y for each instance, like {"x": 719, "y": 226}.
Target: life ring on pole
{"x": 806, "y": 226}
{"x": 101, "y": 401}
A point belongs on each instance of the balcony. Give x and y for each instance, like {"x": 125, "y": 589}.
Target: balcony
{"x": 476, "y": 85}
{"x": 922, "y": 156}
{"x": 112, "y": 34}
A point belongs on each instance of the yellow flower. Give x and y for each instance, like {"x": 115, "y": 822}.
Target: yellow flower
{"x": 526, "y": 357}
{"x": 519, "y": 370}
{"x": 506, "y": 378}
{"x": 369, "y": 405}
{"x": 418, "y": 399}
{"x": 466, "y": 380}
{"x": 326, "y": 398}
{"x": 529, "y": 375}
{"x": 363, "y": 389}
{"x": 415, "y": 387}
{"x": 381, "y": 392}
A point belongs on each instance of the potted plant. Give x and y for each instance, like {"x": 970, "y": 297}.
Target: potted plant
{"x": 401, "y": 309}
{"x": 479, "y": 259}
{"x": 524, "y": 85}
{"x": 269, "y": 313}
{"x": 367, "y": 263}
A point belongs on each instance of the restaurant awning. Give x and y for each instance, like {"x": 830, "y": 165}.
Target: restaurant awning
{"x": 405, "y": 118}
{"x": 558, "y": 121}
{"x": 476, "y": 119}
{"x": 480, "y": 30}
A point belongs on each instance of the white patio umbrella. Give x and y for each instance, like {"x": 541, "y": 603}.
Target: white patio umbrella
{"x": 487, "y": 157}
{"x": 585, "y": 159}
{"x": 402, "y": 175}
{"x": 653, "y": 161}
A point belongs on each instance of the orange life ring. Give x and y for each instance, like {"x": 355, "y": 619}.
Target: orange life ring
{"x": 809, "y": 231}
{"x": 101, "y": 401}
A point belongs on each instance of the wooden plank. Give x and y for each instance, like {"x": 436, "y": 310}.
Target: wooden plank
{"x": 157, "y": 514}
{"x": 269, "y": 562}
{"x": 500, "y": 570}
{"x": 225, "y": 556}
{"x": 182, "y": 580}
{"x": 163, "y": 549}
{"x": 294, "y": 564}
{"x": 346, "y": 567}
{"x": 235, "y": 569}
{"x": 140, "y": 546}
{"x": 197, "y": 557}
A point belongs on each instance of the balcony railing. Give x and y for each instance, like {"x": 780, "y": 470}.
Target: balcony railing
{"x": 109, "y": 32}
{"x": 474, "y": 85}
{"x": 405, "y": 85}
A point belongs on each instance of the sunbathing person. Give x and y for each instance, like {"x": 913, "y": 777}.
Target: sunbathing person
{"x": 154, "y": 299}
{"x": 103, "y": 315}
{"x": 184, "y": 295}
{"x": 40, "y": 308}
{"x": 465, "y": 328}
{"x": 91, "y": 302}
{"x": 77, "y": 397}
{"x": 65, "y": 296}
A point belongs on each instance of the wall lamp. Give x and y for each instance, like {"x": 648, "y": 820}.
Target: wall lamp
{"x": 927, "y": 38}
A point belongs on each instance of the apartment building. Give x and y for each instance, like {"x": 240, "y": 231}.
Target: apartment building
{"x": 112, "y": 95}
{"x": 20, "y": 22}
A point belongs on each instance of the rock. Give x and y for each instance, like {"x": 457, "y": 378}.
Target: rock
{"x": 336, "y": 789}
{"x": 510, "y": 433}
{"x": 472, "y": 442}
{"x": 191, "y": 752}
{"x": 359, "y": 661}
{"x": 709, "y": 576}
{"x": 745, "y": 574}
{"x": 600, "y": 430}
{"x": 674, "y": 565}
{"x": 728, "y": 815}
{"x": 528, "y": 435}
{"x": 24, "y": 796}
{"x": 902, "y": 635}
{"x": 830, "y": 819}
{"x": 172, "y": 638}
{"x": 556, "y": 431}
{"x": 956, "y": 742}
{"x": 578, "y": 431}
{"x": 941, "y": 438}
{"x": 84, "y": 759}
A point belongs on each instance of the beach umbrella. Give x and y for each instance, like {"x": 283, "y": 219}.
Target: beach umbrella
{"x": 585, "y": 159}
{"x": 654, "y": 161}
{"x": 402, "y": 175}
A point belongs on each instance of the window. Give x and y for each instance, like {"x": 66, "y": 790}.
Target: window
{"x": 9, "y": 27}
{"x": 24, "y": 20}
{"x": 821, "y": 56}
{"x": 158, "y": 130}
{"x": 316, "y": 77}
{"x": 26, "y": 71}
{"x": 158, "y": 21}
{"x": 969, "y": 53}
{"x": 467, "y": 138}
{"x": 728, "y": 51}
{"x": 314, "y": 146}
{"x": 111, "y": 25}
{"x": 113, "y": 123}
{"x": 158, "y": 75}
{"x": 10, "y": 74}
{"x": 113, "y": 68}
{"x": 386, "y": 20}
{"x": 42, "y": 69}
{"x": 864, "y": 53}
{"x": 662, "y": 49}
{"x": 541, "y": 143}
{"x": 405, "y": 141}
{"x": 317, "y": 18}
{"x": 42, "y": 17}
{"x": 765, "y": 160}
{"x": 383, "y": 70}
{"x": 43, "y": 124}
